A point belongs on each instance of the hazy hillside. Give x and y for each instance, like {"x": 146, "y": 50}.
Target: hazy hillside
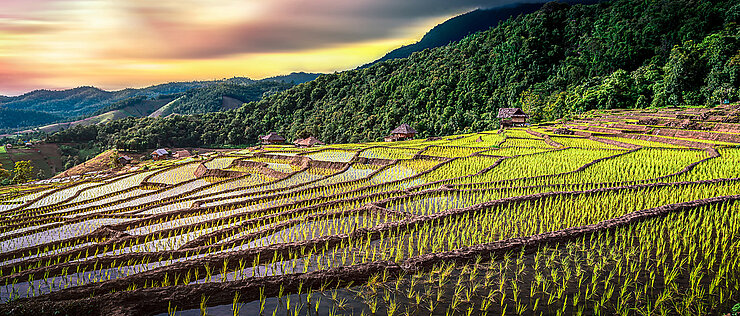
{"x": 220, "y": 97}
{"x": 41, "y": 107}
{"x": 559, "y": 60}
{"x": 12, "y": 118}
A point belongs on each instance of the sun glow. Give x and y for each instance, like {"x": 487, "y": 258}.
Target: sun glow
{"x": 118, "y": 44}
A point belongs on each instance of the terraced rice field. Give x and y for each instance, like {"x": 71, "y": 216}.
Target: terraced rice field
{"x": 519, "y": 222}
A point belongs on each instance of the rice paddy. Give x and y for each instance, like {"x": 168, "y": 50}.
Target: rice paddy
{"x": 522, "y": 221}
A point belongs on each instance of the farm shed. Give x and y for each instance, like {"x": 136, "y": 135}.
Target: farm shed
{"x": 308, "y": 142}
{"x": 124, "y": 160}
{"x": 160, "y": 154}
{"x": 402, "y": 132}
{"x": 512, "y": 117}
{"x": 272, "y": 138}
{"x": 182, "y": 154}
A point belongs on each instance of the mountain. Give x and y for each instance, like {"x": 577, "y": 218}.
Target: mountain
{"x": 557, "y": 61}
{"x": 465, "y": 24}
{"x": 458, "y": 27}
{"x": 212, "y": 98}
{"x": 219, "y": 97}
{"x": 42, "y": 107}
{"x": 13, "y": 118}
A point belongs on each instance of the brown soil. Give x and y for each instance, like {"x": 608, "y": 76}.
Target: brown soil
{"x": 99, "y": 163}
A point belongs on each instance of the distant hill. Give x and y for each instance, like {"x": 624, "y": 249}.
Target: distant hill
{"x": 42, "y": 107}
{"x": 219, "y": 97}
{"x": 12, "y": 118}
{"x": 213, "y": 98}
{"x": 140, "y": 106}
{"x": 463, "y": 25}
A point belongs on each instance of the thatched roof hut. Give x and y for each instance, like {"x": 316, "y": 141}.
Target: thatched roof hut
{"x": 272, "y": 138}
{"x": 512, "y": 116}
{"x": 182, "y": 154}
{"x": 308, "y": 142}
{"x": 402, "y": 132}
{"x": 404, "y": 129}
{"x": 160, "y": 154}
{"x": 511, "y": 112}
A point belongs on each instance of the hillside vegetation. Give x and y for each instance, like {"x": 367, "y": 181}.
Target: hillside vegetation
{"x": 41, "y": 107}
{"x": 211, "y": 98}
{"x": 596, "y": 216}
{"x": 556, "y": 61}
{"x": 12, "y": 118}
{"x": 460, "y": 26}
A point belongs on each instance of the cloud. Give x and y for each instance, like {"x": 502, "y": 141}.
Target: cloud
{"x": 12, "y": 26}
{"x": 168, "y": 31}
{"x": 120, "y": 43}
{"x": 14, "y": 80}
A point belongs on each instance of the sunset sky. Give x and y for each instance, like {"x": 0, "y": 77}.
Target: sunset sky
{"x": 113, "y": 44}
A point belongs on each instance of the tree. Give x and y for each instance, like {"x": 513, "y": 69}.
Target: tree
{"x": 113, "y": 160}
{"x": 4, "y": 175}
{"x": 683, "y": 73}
{"x": 23, "y": 172}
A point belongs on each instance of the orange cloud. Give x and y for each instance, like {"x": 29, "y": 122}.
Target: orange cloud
{"x": 120, "y": 43}
{"x": 14, "y": 80}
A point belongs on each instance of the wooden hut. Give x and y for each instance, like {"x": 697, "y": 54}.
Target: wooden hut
{"x": 182, "y": 154}
{"x": 512, "y": 117}
{"x": 272, "y": 139}
{"x": 124, "y": 160}
{"x": 160, "y": 154}
{"x": 308, "y": 142}
{"x": 402, "y": 132}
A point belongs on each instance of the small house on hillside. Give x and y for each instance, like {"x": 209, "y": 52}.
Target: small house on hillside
{"x": 160, "y": 154}
{"x": 124, "y": 160}
{"x": 402, "y": 132}
{"x": 512, "y": 117}
{"x": 308, "y": 142}
{"x": 182, "y": 154}
{"x": 271, "y": 139}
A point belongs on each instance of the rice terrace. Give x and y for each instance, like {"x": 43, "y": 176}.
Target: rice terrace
{"x": 616, "y": 212}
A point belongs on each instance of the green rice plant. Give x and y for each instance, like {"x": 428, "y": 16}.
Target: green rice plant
{"x": 581, "y": 142}
{"x": 640, "y": 142}
{"x": 389, "y": 153}
{"x": 643, "y": 164}
{"x": 451, "y": 152}
{"x": 542, "y": 164}
{"x": 332, "y": 155}
{"x": 526, "y": 142}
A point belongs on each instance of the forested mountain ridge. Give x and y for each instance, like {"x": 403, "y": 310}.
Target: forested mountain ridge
{"x": 556, "y": 61}
{"x": 40, "y": 107}
{"x": 86, "y": 100}
{"x": 211, "y": 98}
{"x": 463, "y": 25}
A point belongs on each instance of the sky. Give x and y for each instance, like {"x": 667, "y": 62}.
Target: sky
{"x": 114, "y": 44}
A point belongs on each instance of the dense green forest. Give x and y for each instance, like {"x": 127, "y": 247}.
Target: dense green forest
{"x": 12, "y": 118}
{"x": 42, "y": 107}
{"x": 460, "y": 26}
{"x": 208, "y": 99}
{"x": 557, "y": 61}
